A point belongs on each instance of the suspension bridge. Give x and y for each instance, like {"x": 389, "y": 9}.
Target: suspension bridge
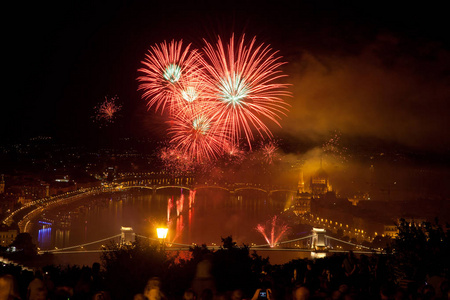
{"x": 317, "y": 242}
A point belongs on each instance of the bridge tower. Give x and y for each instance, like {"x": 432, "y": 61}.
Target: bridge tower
{"x": 232, "y": 195}
{"x": 127, "y": 236}
{"x": 318, "y": 240}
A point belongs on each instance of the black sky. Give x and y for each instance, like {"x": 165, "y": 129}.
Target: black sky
{"x": 373, "y": 70}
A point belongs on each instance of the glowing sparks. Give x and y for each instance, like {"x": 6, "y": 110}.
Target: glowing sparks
{"x": 332, "y": 148}
{"x": 233, "y": 90}
{"x": 172, "y": 73}
{"x": 105, "y": 112}
{"x": 276, "y": 231}
{"x": 195, "y": 133}
{"x": 165, "y": 69}
{"x": 191, "y": 198}
{"x": 242, "y": 77}
{"x": 269, "y": 151}
{"x": 175, "y": 161}
{"x": 189, "y": 94}
{"x": 215, "y": 99}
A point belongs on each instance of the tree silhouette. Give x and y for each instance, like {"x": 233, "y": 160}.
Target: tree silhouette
{"x": 420, "y": 250}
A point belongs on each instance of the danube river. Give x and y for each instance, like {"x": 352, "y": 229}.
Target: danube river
{"x": 202, "y": 218}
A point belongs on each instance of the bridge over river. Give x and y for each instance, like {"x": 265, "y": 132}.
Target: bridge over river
{"x": 318, "y": 242}
{"x": 157, "y": 181}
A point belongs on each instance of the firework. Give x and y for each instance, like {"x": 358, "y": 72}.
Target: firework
{"x": 191, "y": 198}
{"x": 276, "y": 231}
{"x": 215, "y": 100}
{"x": 169, "y": 71}
{"x": 196, "y": 133}
{"x": 174, "y": 160}
{"x": 269, "y": 151}
{"x": 169, "y": 208}
{"x": 180, "y": 205}
{"x": 106, "y": 111}
{"x": 333, "y": 148}
{"x": 242, "y": 79}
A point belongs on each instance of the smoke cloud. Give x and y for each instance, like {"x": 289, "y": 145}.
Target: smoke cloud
{"x": 393, "y": 90}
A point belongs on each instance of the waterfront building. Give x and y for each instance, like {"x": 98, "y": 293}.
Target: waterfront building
{"x": 320, "y": 183}
{"x": 7, "y": 236}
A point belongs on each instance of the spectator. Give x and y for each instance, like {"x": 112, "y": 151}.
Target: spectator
{"x": 8, "y": 288}
{"x": 203, "y": 277}
{"x": 207, "y": 294}
{"x": 152, "y": 290}
{"x": 349, "y": 265}
{"x": 237, "y": 295}
{"x": 36, "y": 290}
{"x": 301, "y": 293}
{"x": 189, "y": 294}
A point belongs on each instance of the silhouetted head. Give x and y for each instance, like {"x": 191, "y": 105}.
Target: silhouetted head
{"x": 189, "y": 294}
{"x": 301, "y": 293}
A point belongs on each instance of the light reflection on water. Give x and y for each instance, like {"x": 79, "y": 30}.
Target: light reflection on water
{"x": 45, "y": 238}
{"x": 213, "y": 215}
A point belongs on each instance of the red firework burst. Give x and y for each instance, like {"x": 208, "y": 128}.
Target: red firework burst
{"x": 193, "y": 131}
{"x": 175, "y": 161}
{"x": 242, "y": 79}
{"x": 106, "y": 111}
{"x": 269, "y": 151}
{"x": 168, "y": 70}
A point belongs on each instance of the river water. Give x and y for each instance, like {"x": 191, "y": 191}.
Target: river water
{"x": 203, "y": 218}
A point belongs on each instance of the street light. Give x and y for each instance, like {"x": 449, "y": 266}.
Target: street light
{"x": 162, "y": 234}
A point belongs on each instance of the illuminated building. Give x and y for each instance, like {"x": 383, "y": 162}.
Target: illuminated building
{"x": 7, "y": 236}
{"x": 320, "y": 183}
{"x": 303, "y": 203}
{"x": 303, "y": 199}
{"x": 392, "y": 230}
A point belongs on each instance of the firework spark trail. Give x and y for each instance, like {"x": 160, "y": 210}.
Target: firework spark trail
{"x": 194, "y": 132}
{"x": 242, "y": 80}
{"x": 106, "y": 111}
{"x": 192, "y": 198}
{"x": 276, "y": 232}
{"x": 269, "y": 151}
{"x": 334, "y": 149}
{"x": 261, "y": 229}
{"x": 180, "y": 204}
{"x": 169, "y": 208}
{"x": 175, "y": 161}
{"x": 214, "y": 100}
{"x": 178, "y": 229}
{"x": 166, "y": 68}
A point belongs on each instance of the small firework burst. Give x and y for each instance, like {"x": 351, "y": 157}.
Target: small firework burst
{"x": 196, "y": 134}
{"x": 175, "y": 161}
{"x": 106, "y": 112}
{"x": 333, "y": 148}
{"x": 269, "y": 151}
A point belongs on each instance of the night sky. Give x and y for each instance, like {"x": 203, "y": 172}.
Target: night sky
{"x": 377, "y": 72}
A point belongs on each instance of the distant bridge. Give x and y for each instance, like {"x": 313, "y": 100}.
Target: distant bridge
{"x": 229, "y": 188}
{"x": 161, "y": 180}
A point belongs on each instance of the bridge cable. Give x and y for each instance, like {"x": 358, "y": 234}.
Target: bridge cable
{"x": 82, "y": 245}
